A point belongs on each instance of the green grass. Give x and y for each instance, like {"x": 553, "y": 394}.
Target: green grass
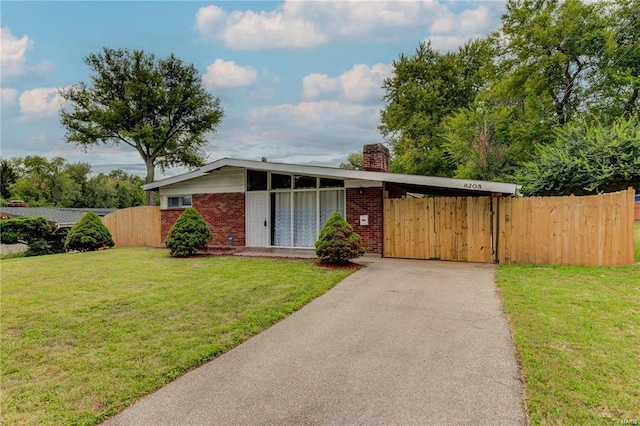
{"x": 85, "y": 335}
{"x": 577, "y": 330}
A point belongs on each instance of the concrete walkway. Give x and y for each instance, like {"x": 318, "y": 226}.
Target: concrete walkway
{"x": 399, "y": 342}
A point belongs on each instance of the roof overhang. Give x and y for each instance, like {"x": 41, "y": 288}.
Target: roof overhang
{"x": 414, "y": 182}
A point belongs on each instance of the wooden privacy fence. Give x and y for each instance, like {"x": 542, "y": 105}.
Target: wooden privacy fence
{"x": 135, "y": 226}
{"x": 446, "y": 228}
{"x": 591, "y": 230}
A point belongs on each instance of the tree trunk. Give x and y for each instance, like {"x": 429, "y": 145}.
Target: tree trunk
{"x": 151, "y": 195}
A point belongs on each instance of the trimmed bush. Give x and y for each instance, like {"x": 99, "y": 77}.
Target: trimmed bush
{"x": 89, "y": 234}
{"x": 338, "y": 243}
{"x": 33, "y": 231}
{"x": 189, "y": 234}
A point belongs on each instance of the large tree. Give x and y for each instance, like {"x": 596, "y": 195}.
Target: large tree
{"x": 156, "y": 106}
{"x": 549, "y": 50}
{"x": 424, "y": 89}
{"x": 588, "y": 158}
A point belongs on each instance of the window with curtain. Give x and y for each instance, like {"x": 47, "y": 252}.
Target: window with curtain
{"x": 331, "y": 201}
{"x": 282, "y": 219}
{"x": 305, "y": 219}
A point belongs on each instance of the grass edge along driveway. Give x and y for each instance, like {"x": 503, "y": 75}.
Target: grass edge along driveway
{"x": 85, "y": 335}
{"x": 577, "y": 331}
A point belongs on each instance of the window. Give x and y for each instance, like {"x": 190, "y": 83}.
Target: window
{"x": 256, "y": 181}
{"x": 331, "y": 183}
{"x": 177, "y": 202}
{"x": 304, "y": 182}
{"x": 280, "y": 181}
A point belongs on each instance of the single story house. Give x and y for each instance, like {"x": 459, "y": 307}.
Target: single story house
{"x": 260, "y": 204}
{"x": 57, "y": 217}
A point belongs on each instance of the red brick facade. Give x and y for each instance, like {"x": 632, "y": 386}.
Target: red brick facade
{"x": 637, "y": 211}
{"x": 224, "y": 213}
{"x": 369, "y": 203}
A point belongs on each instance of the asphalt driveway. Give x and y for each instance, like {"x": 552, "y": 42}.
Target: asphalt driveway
{"x": 398, "y": 342}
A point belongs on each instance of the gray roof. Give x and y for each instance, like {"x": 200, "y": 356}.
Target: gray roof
{"x": 64, "y": 217}
{"x": 461, "y": 186}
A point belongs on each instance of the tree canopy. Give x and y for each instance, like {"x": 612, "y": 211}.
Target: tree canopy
{"x": 57, "y": 183}
{"x": 156, "y": 106}
{"x": 490, "y": 109}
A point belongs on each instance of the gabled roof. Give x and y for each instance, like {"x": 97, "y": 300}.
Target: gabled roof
{"x": 64, "y": 217}
{"x": 463, "y": 186}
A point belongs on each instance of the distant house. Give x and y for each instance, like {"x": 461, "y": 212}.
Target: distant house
{"x": 56, "y": 216}
{"x": 260, "y": 204}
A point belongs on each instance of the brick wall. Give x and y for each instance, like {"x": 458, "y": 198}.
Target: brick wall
{"x": 369, "y": 203}
{"x": 224, "y": 213}
{"x": 637, "y": 211}
{"x": 167, "y": 218}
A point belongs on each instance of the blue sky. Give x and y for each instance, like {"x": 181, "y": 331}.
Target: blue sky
{"x": 299, "y": 80}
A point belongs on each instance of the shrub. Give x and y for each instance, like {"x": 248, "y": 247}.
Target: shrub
{"x": 189, "y": 234}
{"x": 337, "y": 242}
{"x": 33, "y": 231}
{"x": 89, "y": 234}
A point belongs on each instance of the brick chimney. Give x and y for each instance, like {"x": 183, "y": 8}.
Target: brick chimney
{"x": 375, "y": 158}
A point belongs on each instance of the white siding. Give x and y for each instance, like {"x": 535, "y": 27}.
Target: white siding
{"x": 357, "y": 183}
{"x": 227, "y": 179}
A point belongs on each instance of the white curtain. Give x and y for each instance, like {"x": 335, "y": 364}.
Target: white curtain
{"x": 282, "y": 231}
{"x": 305, "y": 219}
{"x": 331, "y": 201}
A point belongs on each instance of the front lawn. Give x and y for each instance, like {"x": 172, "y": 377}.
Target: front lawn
{"x": 577, "y": 330}
{"x": 85, "y": 335}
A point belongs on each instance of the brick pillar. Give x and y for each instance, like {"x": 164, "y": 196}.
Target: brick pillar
{"x": 369, "y": 203}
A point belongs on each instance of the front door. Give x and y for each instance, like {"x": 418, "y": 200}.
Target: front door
{"x": 258, "y": 219}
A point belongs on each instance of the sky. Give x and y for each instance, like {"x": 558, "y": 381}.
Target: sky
{"x": 300, "y": 81}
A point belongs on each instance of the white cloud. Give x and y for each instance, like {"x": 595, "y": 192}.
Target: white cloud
{"x": 41, "y": 101}
{"x": 314, "y": 85}
{"x": 256, "y": 30}
{"x": 8, "y": 96}
{"x": 359, "y": 84}
{"x": 303, "y": 24}
{"x": 321, "y": 132}
{"x": 476, "y": 20}
{"x": 227, "y": 74}
{"x": 450, "y": 31}
{"x": 13, "y": 53}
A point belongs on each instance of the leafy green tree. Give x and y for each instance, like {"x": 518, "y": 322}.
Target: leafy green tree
{"x": 354, "y": 162}
{"x": 189, "y": 234}
{"x": 117, "y": 189}
{"x": 10, "y": 172}
{"x": 549, "y": 50}
{"x": 617, "y": 86}
{"x": 424, "y": 89}
{"x": 476, "y": 142}
{"x": 588, "y": 158}
{"x": 46, "y": 183}
{"x": 156, "y": 106}
{"x": 89, "y": 234}
{"x": 338, "y": 243}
